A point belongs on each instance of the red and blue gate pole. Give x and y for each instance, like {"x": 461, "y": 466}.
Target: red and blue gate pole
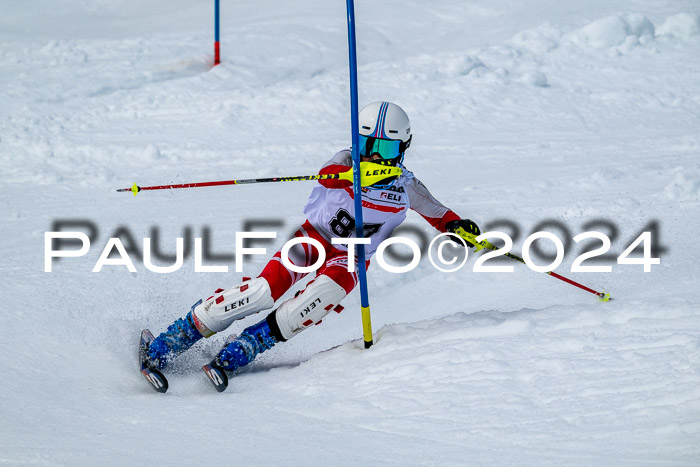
{"x": 357, "y": 186}
{"x": 216, "y": 33}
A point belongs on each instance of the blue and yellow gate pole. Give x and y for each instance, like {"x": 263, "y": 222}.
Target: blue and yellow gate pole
{"x": 357, "y": 188}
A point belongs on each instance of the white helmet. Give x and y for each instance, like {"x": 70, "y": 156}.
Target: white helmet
{"x": 385, "y": 120}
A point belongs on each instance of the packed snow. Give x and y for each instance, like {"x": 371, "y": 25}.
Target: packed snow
{"x": 526, "y": 116}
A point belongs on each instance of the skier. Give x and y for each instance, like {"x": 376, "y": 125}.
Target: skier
{"x": 385, "y": 134}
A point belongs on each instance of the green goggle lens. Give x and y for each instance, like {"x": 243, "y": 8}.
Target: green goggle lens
{"x": 385, "y": 148}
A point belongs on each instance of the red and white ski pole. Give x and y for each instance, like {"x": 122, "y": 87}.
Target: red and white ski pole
{"x": 371, "y": 173}
{"x": 471, "y": 238}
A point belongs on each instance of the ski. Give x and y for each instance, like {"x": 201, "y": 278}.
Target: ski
{"x": 152, "y": 375}
{"x": 217, "y": 375}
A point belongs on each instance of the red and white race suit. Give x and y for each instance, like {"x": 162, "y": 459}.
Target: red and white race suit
{"x": 329, "y": 211}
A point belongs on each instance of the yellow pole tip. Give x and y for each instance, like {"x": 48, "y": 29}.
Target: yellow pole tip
{"x": 135, "y": 189}
{"x": 605, "y": 297}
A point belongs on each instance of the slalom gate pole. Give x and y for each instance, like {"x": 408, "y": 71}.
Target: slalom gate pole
{"x": 371, "y": 173}
{"x": 216, "y": 33}
{"x": 357, "y": 186}
{"x": 471, "y": 238}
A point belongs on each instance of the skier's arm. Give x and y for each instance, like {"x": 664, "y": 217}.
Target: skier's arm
{"x": 341, "y": 162}
{"x": 432, "y": 210}
{"x": 425, "y": 204}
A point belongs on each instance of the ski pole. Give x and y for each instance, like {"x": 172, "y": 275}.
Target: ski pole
{"x": 471, "y": 238}
{"x": 371, "y": 174}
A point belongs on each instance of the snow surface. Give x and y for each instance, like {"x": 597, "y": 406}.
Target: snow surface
{"x": 525, "y": 111}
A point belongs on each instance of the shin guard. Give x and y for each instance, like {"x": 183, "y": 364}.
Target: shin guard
{"x": 219, "y": 311}
{"x": 309, "y": 307}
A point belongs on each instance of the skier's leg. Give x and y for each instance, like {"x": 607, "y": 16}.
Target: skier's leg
{"x": 220, "y": 310}
{"x": 209, "y": 317}
{"x": 278, "y": 276}
{"x": 308, "y": 307}
{"x": 258, "y": 294}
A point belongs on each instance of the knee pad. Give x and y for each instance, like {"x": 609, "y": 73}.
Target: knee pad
{"x": 219, "y": 311}
{"x": 309, "y": 307}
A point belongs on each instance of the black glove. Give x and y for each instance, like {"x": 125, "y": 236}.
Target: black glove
{"x": 467, "y": 224}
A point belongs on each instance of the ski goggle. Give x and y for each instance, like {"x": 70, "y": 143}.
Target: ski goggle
{"x": 387, "y": 149}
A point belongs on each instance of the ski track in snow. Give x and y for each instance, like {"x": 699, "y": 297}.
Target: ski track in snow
{"x": 521, "y": 112}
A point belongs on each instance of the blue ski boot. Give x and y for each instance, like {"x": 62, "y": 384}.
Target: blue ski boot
{"x": 240, "y": 351}
{"x": 180, "y": 336}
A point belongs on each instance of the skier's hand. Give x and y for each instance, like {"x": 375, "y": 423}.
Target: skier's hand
{"x": 467, "y": 226}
